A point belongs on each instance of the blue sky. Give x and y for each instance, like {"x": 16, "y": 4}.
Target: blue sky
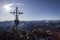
{"x": 32, "y": 9}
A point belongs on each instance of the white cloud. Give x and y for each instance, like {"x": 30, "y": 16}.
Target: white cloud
{"x": 8, "y": 7}
{"x": 17, "y": 4}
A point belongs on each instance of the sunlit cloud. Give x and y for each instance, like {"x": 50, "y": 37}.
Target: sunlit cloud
{"x": 8, "y": 7}
{"x": 18, "y": 4}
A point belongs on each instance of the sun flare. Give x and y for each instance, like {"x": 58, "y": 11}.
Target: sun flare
{"x": 7, "y": 7}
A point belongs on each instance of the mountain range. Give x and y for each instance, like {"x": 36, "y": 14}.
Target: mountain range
{"x": 30, "y": 25}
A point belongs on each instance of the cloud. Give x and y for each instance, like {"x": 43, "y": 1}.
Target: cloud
{"x": 13, "y": 4}
{"x": 9, "y": 6}
{"x": 17, "y": 4}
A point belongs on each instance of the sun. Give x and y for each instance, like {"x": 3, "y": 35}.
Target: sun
{"x": 7, "y": 7}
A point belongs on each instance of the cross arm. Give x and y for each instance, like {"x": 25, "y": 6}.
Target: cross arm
{"x": 13, "y": 12}
{"x": 20, "y": 12}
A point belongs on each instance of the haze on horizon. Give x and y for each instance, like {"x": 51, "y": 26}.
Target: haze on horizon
{"x": 32, "y": 9}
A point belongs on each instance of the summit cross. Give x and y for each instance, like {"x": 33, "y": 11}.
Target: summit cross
{"x": 16, "y": 13}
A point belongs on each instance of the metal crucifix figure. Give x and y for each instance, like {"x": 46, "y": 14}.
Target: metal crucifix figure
{"x": 16, "y": 13}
